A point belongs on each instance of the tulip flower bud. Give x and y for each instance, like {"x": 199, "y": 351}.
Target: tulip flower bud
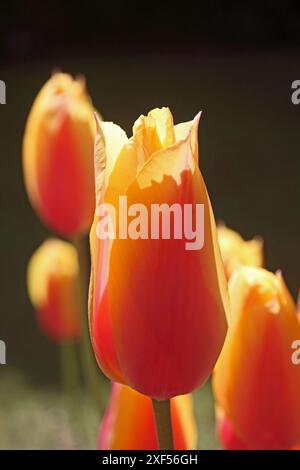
{"x": 157, "y": 304}
{"x": 235, "y": 251}
{"x": 129, "y": 424}
{"x": 58, "y": 156}
{"x": 256, "y": 384}
{"x": 53, "y": 281}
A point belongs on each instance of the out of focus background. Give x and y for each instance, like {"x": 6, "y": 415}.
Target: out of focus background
{"x": 234, "y": 62}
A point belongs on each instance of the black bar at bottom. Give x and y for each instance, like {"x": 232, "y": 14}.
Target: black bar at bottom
{"x": 133, "y": 459}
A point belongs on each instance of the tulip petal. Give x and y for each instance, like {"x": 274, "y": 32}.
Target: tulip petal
{"x": 102, "y": 336}
{"x": 184, "y": 424}
{"x": 183, "y": 129}
{"x": 155, "y": 131}
{"x": 227, "y": 434}
{"x": 110, "y": 139}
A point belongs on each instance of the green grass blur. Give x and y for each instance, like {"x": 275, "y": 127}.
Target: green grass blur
{"x": 46, "y": 417}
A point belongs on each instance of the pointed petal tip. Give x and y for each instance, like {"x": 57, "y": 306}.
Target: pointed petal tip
{"x": 198, "y": 116}
{"x": 97, "y": 119}
{"x": 278, "y": 274}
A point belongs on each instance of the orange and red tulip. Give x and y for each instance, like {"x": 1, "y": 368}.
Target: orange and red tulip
{"x": 129, "y": 423}
{"x": 236, "y": 251}
{"x": 256, "y": 384}
{"x": 157, "y": 310}
{"x": 53, "y": 281}
{"x": 58, "y": 156}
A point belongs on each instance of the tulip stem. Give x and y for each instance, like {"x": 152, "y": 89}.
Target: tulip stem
{"x": 163, "y": 422}
{"x": 90, "y": 368}
{"x": 70, "y": 376}
{"x": 69, "y": 370}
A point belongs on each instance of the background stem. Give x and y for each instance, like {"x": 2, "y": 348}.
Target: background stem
{"x": 90, "y": 367}
{"x": 69, "y": 367}
{"x": 70, "y": 378}
{"x": 162, "y": 413}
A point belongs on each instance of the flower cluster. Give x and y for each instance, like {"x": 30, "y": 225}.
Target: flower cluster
{"x": 161, "y": 319}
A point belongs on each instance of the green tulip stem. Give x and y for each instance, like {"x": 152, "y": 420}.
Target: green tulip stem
{"x": 70, "y": 375}
{"x": 90, "y": 368}
{"x": 163, "y": 422}
{"x": 69, "y": 367}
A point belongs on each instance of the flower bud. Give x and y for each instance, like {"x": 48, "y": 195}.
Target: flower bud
{"x": 58, "y": 156}
{"x": 53, "y": 283}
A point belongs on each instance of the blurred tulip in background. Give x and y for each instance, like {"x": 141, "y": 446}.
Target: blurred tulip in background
{"x": 58, "y": 156}
{"x": 236, "y": 251}
{"x": 256, "y": 384}
{"x": 53, "y": 279}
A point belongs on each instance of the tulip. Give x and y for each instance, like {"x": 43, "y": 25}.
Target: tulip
{"x": 256, "y": 384}
{"x": 157, "y": 309}
{"x": 53, "y": 277}
{"x": 58, "y": 156}
{"x": 129, "y": 424}
{"x": 235, "y": 251}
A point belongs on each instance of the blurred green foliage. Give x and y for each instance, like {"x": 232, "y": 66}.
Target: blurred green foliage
{"x": 43, "y": 417}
